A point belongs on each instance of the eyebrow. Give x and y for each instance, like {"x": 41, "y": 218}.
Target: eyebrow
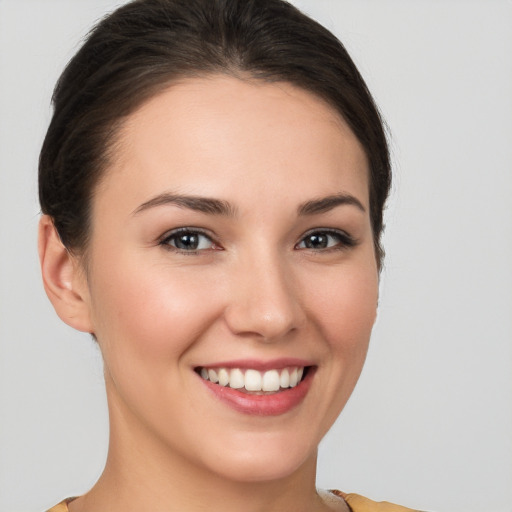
{"x": 213, "y": 206}
{"x": 200, "y": 204}
{"x": 326, "y": 204}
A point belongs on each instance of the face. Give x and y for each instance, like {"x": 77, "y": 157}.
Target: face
{"x": 231, "y": 252}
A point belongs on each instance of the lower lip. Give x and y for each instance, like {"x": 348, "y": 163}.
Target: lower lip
{"x": 263, "y": 405}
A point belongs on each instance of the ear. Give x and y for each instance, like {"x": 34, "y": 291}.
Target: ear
{"x": 63, "y": 278}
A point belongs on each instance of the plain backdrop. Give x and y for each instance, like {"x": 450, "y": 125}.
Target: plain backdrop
{"x": 430, "y": 422}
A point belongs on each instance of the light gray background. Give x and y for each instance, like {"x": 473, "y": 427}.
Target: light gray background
{"x": 430, "y": 423}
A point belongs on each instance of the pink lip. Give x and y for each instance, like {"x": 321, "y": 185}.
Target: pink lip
{"x": 274, "y": 364}
{"x": 262, "y": 405}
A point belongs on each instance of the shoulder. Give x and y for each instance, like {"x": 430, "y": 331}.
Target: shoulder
{"x": 359, "y": 503}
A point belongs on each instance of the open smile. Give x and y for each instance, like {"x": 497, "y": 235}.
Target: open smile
{"x": 262, "y": 392}
{"x": 254, "y": 381}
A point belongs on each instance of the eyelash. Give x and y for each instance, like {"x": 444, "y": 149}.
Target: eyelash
{"x": 344, "y": 240}
{"x": 173, "y": 235}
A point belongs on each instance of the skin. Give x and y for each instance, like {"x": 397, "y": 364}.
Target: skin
{"x": 255, "y": 292}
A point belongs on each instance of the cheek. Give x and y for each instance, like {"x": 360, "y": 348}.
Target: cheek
{"x": 342, "y": 306}
{"x": 345, "y": 305}
{"x": 154, "y": 313}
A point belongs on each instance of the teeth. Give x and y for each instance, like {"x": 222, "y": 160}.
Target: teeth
{"x": 254, "y": 380}
{"x": 223, "y": 377}
{"x": 236, "y": 379}
{"x": 293, "y": 378}
{"x": 270, "y": 381}
{"x": 285, "y": 378}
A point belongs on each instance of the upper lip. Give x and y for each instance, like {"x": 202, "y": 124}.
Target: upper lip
{"x": 261, "y": 365}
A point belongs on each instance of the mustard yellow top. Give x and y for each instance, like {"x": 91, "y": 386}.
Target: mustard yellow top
{"x": 355, "y": 502}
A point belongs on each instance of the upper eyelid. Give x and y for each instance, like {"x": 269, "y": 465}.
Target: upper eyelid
{"x": 335, "y": 231}
{"x": 325, "y": 230}
{"x": 186, "y": 229}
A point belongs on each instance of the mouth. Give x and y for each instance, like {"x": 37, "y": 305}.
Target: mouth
{"x": 258, "y": 392}
{"x": 252, "y": 381}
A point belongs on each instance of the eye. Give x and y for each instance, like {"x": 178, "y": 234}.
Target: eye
{"x": 326, "y": 239}
{"x": 188, "y": 240}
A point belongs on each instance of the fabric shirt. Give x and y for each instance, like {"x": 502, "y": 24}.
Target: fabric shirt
{"x": 355, "y": 502}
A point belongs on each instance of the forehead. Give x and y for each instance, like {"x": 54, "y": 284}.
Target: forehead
{"x": 203, "y": 134}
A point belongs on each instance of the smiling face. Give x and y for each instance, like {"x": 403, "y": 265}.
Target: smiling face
{"x": 231, "y": 240}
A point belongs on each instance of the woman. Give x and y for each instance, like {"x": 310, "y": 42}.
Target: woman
{"x": 212, "y": 183}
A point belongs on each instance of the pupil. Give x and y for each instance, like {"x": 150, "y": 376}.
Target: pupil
{"x": 316, "y": 242}
{"x": 188, "y": 241}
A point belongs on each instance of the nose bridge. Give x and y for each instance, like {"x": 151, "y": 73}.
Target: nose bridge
{"x": 264, "y": 302}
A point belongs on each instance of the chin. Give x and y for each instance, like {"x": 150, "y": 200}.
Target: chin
{"x": 265, "y": 460}
{"x": 259, "y": 471}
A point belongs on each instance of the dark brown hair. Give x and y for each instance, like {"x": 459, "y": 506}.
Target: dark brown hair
{"x": 142, "y": 47}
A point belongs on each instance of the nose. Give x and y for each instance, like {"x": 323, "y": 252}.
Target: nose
{"x": 265, "y": 301}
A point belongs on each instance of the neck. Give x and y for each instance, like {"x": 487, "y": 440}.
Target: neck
{"x": 142, "y": 473}
{"x": 130, "y": 490}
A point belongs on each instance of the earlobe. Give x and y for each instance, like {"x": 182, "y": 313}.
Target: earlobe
{"x": 63, "y": 278}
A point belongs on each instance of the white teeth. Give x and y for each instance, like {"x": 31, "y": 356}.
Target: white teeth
{"x": 293, "y": 378}
{"x": 270, "y": 381}
{"x": 236, "y": 379}
{"x": 254, "y": 380}
{"x": 212, "y": 375}
{"x": 223, "y": 377}
{"x": 285, "y": 378}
